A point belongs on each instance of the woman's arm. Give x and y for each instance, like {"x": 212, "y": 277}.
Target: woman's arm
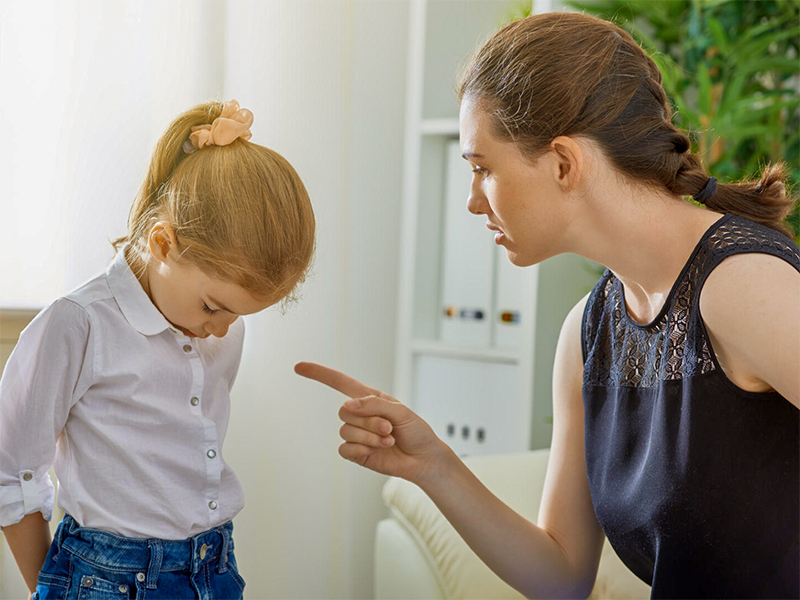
{"x": 750, "y": 305}
{"x": 559, "y": 558}
{"x": 29, "y": 541}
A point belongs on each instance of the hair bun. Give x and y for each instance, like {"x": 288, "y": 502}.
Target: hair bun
{"x": 681, "y": 143}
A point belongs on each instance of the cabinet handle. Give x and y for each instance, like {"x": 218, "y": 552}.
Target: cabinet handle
{"x": 472, "y": 314}
{"x": 510, "y": 316}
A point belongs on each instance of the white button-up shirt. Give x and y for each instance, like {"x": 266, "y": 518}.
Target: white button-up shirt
{"x": 130, "y": 412}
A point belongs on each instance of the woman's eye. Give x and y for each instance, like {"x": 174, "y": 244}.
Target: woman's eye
{"x": 209, "y": 310}
{"x": 480, "y": 171}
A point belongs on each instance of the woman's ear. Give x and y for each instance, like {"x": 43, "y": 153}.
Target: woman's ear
{"x": 569, "y": 160}
{"x": 161, "y": 240}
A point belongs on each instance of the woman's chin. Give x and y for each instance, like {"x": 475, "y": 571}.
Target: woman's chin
{"x": 521, "y": 260}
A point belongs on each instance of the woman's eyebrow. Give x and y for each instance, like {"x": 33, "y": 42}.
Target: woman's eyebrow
{"x": 467, "y": 155}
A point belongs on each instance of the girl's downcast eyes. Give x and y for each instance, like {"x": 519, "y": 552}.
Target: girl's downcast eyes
{"x": 208, "y": 309}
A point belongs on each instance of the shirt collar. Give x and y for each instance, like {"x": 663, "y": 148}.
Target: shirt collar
{"x": 133, "y": 301}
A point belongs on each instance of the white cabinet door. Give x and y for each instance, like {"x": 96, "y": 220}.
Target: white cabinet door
{"x": 472, "y": 405}
{"x": 509, "y": 307}
{"x": 468, "y": 257}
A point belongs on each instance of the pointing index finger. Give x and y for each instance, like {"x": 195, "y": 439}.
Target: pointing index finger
{"x": 337, "y": 380}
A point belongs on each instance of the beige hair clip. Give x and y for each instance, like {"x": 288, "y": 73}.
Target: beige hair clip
{"x": 233, "y": 123}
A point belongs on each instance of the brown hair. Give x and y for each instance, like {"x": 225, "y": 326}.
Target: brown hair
{"x": 240, "y": 212}
{"x": 573, "y": 74}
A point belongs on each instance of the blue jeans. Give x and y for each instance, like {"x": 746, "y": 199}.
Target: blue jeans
{"x": 89, "y": 564}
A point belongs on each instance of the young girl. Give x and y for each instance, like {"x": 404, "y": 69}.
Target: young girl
{"x": 676, "y": 385}
{"x": 123, "y": 384}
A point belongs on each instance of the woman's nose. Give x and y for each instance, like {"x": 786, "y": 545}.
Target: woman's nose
{"x": 476, "y": 203}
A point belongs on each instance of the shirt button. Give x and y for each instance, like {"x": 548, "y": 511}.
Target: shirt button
{"x": 87, "y": 581}
{"x": 187, "y": 348}
{"x": 140, "y": 577}
{"x": 27, "y": 476}
{"x": 211, "y": 454}
{"x": 212, "y": 505}
{"x": 195, "y": 401}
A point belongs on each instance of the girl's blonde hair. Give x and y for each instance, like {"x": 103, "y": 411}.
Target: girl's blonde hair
{"x": 240, "y": 212}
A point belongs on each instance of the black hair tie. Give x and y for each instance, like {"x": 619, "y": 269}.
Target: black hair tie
{"x": 708, "y": 190}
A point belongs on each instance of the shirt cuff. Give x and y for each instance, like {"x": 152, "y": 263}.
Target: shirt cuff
{"x": 33, "y": 494}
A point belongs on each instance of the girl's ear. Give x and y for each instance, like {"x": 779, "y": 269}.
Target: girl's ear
{"x": 161, "y": 240}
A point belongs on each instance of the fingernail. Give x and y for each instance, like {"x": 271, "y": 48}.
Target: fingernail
{"x": 387, "y": 441}
{"x": 352, "y": 404}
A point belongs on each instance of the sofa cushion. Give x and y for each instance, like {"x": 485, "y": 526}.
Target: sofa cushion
{"x": 518, "y": 480}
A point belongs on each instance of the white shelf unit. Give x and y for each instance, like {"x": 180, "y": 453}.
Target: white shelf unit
{"x": 482, "y": 391}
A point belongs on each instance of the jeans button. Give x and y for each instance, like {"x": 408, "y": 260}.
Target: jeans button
{"x": 140, "y": 577}
{"x": 123, "y": 589}
{"x": 87, "y": 581}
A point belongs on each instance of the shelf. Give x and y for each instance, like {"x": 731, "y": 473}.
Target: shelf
{"x": 439, "y": 127}
{"x": 495, "y": 355}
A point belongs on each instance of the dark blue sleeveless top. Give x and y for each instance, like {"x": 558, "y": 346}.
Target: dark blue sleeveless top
{"x": 695, "y": 482}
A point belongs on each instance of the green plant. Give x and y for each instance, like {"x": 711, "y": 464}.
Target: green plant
{"x": 732, "y": 71}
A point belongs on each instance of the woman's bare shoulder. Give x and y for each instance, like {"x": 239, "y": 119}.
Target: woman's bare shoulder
{"x": 750, "y": 304}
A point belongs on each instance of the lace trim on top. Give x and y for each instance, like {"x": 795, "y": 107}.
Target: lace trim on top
{"x": 621, "y": 353}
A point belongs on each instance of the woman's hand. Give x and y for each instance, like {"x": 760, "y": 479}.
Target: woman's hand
{"x": 379, "y": 432}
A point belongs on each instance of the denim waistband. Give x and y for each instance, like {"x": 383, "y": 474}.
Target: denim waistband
{"x": 148, "y": 557}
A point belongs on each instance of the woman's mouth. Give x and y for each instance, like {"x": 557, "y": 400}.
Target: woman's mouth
{"x": 499, "y": 235}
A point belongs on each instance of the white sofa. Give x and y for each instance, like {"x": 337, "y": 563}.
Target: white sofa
{"x": 418, "y": 554}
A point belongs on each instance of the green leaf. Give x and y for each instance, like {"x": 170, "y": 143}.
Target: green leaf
{"x": 718, "y": 33}
{"x": 704, "y": 89}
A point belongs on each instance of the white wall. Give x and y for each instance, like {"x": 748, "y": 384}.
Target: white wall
{"x": 327, "y": 82}
{"x": 86, "y": 88}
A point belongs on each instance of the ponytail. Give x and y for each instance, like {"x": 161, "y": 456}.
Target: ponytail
{"x": 168, "y": 154}
{"x": 765, "y": 201}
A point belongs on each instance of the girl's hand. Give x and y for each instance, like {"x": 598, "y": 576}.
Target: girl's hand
{"x": 379, "y": 432}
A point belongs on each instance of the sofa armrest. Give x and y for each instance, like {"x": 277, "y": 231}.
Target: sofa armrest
{"x": 403, "y": 568}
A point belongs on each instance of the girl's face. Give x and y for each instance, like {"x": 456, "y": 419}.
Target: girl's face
{"x": 523, "y": 201}
{"x": 191, "y": 300}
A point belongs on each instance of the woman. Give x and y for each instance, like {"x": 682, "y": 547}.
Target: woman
{"x": 676, "y": 380}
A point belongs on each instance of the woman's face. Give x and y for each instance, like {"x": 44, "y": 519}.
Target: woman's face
{"x": 523, "y": 202}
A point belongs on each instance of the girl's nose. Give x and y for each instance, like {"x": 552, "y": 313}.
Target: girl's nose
{"x": 218, "y": 328}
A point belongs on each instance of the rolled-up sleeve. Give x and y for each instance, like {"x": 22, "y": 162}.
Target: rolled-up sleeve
{"x": 48, "y": 371}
